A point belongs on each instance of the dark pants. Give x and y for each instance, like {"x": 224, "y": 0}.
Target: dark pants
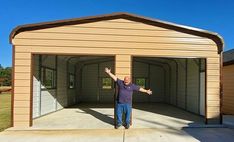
{"x": 126, "y": 109}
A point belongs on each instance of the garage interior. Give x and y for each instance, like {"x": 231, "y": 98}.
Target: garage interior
{"x": 72, "y": 91}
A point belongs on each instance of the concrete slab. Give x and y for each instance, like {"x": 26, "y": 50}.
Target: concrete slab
{"x": 228, "y": 120}
{"x": 96, "y": 116}
{"x": 77, "y": 118}
{"x": 159, "y": 115}
{"x": 157, "y": 135}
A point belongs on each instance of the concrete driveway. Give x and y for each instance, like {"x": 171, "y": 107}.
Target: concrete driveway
{"x": 120, "y": 135}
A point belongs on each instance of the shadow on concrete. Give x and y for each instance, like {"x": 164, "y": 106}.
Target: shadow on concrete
{"x": 87, "y": 108}
{"x": 103, "y": 117}
{"x": 169, "y": 110}
{"x": 211, "y": 134}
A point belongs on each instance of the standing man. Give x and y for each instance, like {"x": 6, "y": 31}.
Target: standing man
{"x": 124, "y": 99}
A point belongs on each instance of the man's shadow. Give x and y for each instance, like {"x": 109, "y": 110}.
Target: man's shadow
{"x": 103, "y": 117}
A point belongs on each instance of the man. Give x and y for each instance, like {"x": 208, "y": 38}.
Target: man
{"x": 124, "y": 100}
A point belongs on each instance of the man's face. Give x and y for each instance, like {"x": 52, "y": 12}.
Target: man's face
{"x": 127, "y": 80}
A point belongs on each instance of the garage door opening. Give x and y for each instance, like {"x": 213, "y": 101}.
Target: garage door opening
{"x": 80, "y": 93}
{"x": 76, "y": 88}
{"x": 178, "y": 86}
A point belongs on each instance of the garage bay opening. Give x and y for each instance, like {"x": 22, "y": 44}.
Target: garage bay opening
{"x": 178, "y": 86}
{"x": 76, "y": 89}
{"x": 74, "y": 92}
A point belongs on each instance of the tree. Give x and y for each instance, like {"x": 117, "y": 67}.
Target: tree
{"x": 5, "y": 74}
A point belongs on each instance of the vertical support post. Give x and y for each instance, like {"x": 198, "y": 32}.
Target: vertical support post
{"x": 22, "y": 90}
{"x": 123, "y": 64}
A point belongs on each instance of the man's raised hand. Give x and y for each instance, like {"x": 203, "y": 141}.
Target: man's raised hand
{"x": 107, "y": 70}
{"x": 149, "y": 92}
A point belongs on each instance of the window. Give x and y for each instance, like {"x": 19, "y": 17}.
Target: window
{"x": 48, "y": 78}
{"x": 106, "y": 83}
{"x": 141, "y": 82}
{"x": 71, "y": 81}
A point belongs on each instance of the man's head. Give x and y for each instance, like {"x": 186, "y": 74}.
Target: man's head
{"x": 127, "y": 80}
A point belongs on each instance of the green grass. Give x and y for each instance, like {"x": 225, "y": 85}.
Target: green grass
{"x": 5, "y": 111}
{"x": 5, "y": 87}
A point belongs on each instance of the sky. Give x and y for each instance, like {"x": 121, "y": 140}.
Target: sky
{"x": 212, "y": 15}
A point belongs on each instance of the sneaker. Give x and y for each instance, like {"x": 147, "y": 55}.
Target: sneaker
{"x": 127, "y": 126}
{"x": 117, "y": 126}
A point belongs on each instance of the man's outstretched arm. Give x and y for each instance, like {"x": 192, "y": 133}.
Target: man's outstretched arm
{"x": 149, "y": 92}
{"x": 108, "y": 71}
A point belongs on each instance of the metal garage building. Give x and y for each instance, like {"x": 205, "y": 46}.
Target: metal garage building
{"x": 59, "y": 64}
{"x": 228, "y": 81}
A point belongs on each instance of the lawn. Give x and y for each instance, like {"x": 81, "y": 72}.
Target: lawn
{"x": 5, "y": 111}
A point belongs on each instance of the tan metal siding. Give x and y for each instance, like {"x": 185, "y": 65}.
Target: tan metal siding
{"x": 162, "y": 45}
{"x": 126, "y": 34}
{"x": 117, "y": 50}
{"x": 120, "y": 67}
{"x": 110, "y": 38}
{"x": 213, "y": 90}
{"x": 22, "y": 93}
{"x": 128, "y": 28}
{"x": 228, "y": 89}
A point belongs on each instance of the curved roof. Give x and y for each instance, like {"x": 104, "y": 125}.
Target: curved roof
{"x": 185, "y": 29}
{"x": 228, "y": 57}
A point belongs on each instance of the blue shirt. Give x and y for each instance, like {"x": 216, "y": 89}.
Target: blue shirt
{"x": 125, "y": 91}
